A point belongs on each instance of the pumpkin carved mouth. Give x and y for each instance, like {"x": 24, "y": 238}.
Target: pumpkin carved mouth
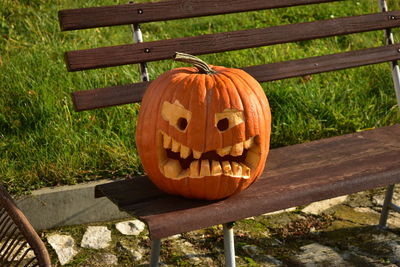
{"x": 177, "y": 161}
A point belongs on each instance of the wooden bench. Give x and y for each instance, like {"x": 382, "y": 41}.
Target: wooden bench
{"x": 295, "y": 175}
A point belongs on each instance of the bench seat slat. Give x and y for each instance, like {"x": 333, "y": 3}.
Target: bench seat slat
{"x": 84, "y": 18}
{"x": 327, "y": 168}
{"x": 118, "y": 95}
{"x": 227, "y": 41}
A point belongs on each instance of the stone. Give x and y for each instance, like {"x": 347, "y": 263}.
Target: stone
{"x": 108, "y": 259}
{"x": 96, "y": 237}
{"x": 280, "y": 211}
{"x": 174, "y": 237}
{"x": 384, "y": 237}
{"x": 378, "y": 199}
{"x": 257, "y": 254}
{"x": 131, "y": 248}
{"x": 192, "y": 254}
{"x": 133, "y": 227}
{"x": 322, "y": 206}
{"x": 394, "y": 219}
{"x": 395, "y": 248}
{"x": 189, "y": 251}
{"x": 251, "y": 250}
{"x": 356, "y": 259}
{"x": 101, "y": 260}
{"x": 361, "y": 199}
{"x": 267, "y": 261}
{"x": 315, "y": 255}
{"x": 64, "y": 246}
{"x": 365, "y": 210}
{"x": 278, "y": 220}
{"x": 361, "y": 218}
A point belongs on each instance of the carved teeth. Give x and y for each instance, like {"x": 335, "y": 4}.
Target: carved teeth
{"x": 226, "y": 167}
{"x": 224, "y": 151}
{"x": 197, "y": 154}
{"x": 205, "y": 168}
{"x": 236, "y": 169}
{"x": 167, "y": 141}
{"x": 237, "y": 149}
{"x": 216, "y": 168}
{"x": 172, "y": 168}
{"x": 248, "y": 143}
{"x": 245, "y": 171}
{"x": 175, "y": 146}
{"x": 185, "y": 152}
{"x": 194, "y": 169}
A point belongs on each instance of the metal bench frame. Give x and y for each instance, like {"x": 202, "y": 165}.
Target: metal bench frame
{"x": 388, "y": 201}
{"x": 90, "y": 99}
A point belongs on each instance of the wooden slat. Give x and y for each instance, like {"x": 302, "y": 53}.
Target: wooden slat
{"x": 83, "y": 18}
{"x": 314, "y": 65}
{"x": 295, "y": 175}
{"x": 104, "y": 97}
{"x": 108, "y": 96}
{"x": 212, "y": 43}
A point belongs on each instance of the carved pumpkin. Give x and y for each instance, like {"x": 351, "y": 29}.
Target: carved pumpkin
{"x": 203, "y": 132}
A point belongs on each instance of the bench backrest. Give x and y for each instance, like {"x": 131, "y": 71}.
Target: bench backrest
{"x": 143, "y": 52}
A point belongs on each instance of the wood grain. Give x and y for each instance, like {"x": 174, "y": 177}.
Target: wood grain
{"x": 108, "y": 96}
{"x": 295, "y": 175}
{"x": 227, "y": 41}
{"x": 118, "y": 95}
{"x": 83, "y": 18}
{"x": 314, "y": 65}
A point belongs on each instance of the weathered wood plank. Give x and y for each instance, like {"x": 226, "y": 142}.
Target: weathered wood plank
{"x": 314, "y": 65}
{"x": 108, "y": 96}
{"x": 295, "y": 175}
{"x": 118, "y": 95}
{"x": 227, "y": 41}
{"x": 83, "y": 18}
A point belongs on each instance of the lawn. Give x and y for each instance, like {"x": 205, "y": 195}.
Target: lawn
{"x": 44, "y": 142}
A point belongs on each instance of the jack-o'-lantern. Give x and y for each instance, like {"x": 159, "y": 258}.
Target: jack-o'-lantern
{"x": 203, "y": 132}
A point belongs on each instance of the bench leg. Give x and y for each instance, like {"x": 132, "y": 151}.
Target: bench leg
{"x": 229, "y": 245}
{"x": 155, "y": 253}
{"x": 387, "y": 203}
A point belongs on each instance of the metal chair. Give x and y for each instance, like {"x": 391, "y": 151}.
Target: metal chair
{"x": 20, "y": 245}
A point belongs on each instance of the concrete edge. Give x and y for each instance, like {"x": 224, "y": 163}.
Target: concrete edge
{"x": 68, "y": 205}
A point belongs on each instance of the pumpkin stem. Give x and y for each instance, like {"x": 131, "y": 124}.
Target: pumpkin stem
{"x": 197, "y": 62}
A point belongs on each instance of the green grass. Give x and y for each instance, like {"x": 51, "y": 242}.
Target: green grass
{"x": 44, "y": 142}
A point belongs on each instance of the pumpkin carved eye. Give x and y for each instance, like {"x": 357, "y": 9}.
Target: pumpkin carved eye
{"x": 176, "y": 115}
{"x": 228, "y": 119}
{"x": 223, "y": 124}
{"x": 182, "y": 124}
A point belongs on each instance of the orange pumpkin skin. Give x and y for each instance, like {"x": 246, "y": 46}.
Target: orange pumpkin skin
{"x": 204, "y": 100}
